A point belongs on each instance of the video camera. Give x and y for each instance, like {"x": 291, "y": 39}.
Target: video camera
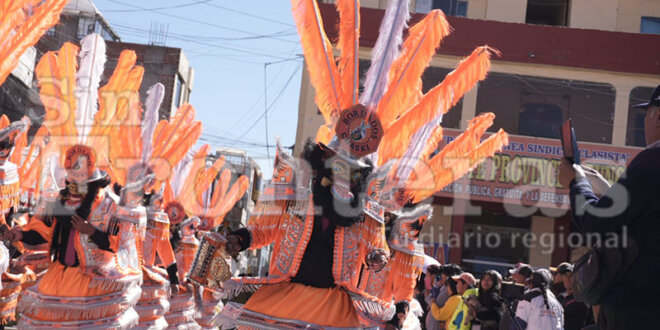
{"x": 510, "y": 291}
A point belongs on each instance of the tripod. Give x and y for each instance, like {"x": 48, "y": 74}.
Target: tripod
{"x": 508, "y": 306}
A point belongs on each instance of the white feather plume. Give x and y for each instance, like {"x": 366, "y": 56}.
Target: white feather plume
{"x": 387, "y": 46}
{"x": 150, "y": 121}
{"x": 417, "y": 145}
{"x": 92, "y": 61}
{"x": 180, "y": 172}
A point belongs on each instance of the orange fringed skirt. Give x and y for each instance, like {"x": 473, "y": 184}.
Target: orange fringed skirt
{"x": 61, "y": 281}
{"x": 324, "y": 307}
{"x": 66, "y": 282}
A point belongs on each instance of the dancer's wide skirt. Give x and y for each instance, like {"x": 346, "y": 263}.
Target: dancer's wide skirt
{"x": 67, "y": 298}
{"x": 330, "y": 307}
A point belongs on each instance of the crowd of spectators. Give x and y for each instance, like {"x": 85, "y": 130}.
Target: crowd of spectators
{"x": 454, "y": 299}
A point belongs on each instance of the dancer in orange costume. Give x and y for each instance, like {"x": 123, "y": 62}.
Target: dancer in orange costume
{"x": 93, "y": 279}
{"x": 159, "y": 145}
{"x": 325, "y": 238}
{"x": 158, "y": 285}
{"x": 397, "y": 281}
{"x": 189, "y": 180}
{"x": 12, "y": 278}
{"x": 23, "y": 23}
{"x": 93, "y": 235}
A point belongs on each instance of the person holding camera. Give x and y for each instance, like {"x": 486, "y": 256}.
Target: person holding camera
{"x": 438, "y": 293}
{"x": 521, "y": 273}
{"x": 539, "y": 309}
{"x": 489, "y": 311}
{"x": 630, "y": 209}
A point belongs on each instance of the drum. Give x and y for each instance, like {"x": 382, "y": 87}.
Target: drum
{"x": 212, "y": 263}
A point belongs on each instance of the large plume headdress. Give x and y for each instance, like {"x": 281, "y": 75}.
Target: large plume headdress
{"x": 105, "y": 119}
{"x": 393, "y": 97}
{"x": 78, "y": 112}
{"x": 190, "y": 191}
{"x": 22, "y": 23}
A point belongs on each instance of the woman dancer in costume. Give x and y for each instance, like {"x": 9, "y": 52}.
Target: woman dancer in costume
{"x": 95, "y": 275}
{"x": 23, "y": 23}
{"x": 159, "y": 145}
{"x": 189, "y": 180}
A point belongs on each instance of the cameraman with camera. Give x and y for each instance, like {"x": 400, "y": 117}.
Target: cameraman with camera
{"x": 512, "y": 293}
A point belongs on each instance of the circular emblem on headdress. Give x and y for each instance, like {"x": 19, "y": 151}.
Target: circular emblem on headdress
{"x": 359, "y": 131}
{"x": 175, "y": 212}
{"x": 138, "y": 171}
{"x": 79, "y": 163}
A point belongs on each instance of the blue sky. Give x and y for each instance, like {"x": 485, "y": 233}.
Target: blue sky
{"x": 228, "y": 44}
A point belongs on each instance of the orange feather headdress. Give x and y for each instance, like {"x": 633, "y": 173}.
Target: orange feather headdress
{"x": 79, "y": 112}
{"x": 22, "y": 23}
{"x": 393, "y": 94}
{"x": 191, "y": 190}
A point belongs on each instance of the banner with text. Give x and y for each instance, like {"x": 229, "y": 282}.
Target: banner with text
{"x": 524, "y": 173}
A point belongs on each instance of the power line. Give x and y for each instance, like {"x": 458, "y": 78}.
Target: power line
{"x": 241, "y": 120}
{"x": 188, "y": 19}
{"x": 194, "y": 3}
{"x": 266, "y": 109}
{"x": 141, "y": 33}
{"x": 282, "y": 33}
{"x": 228, "y": 139}
{"x": 248, "y": 14}
{"x": 273, "y": 103}
{"x": 225, "y": 47}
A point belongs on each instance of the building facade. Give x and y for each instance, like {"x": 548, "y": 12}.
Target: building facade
{"x": 585, "y": 70}
{"x": 166, "y": 65}
{"x": 632, "y": 16}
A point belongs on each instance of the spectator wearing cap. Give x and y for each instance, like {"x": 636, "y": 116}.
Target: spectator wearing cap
{"x": 557, "y": 286}
{"x": 455, "y": 312}
{"x": 633, "y": 204}
{"x": 576, "y": 313}
{"x": 490, "y": 304}
{"x": 440, "y": 295}
{"x": 467, "y": 288}
{"x": 539, "y": 309}
{"x": 521, "y": 273}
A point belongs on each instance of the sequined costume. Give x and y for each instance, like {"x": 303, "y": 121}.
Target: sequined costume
{"x": 95, "y": 274}
{"x": 327, "y": 229}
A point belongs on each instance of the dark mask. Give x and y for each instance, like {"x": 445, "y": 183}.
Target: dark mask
{"x": 338, "y": 184}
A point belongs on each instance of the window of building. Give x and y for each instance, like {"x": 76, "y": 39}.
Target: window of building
{"x": 547, "y": 12}
{"x": 540, "y": 119}
{"x": 451, "y": 7}
{"x": 535, "y": 106}
{"x": 178, "y": 85}
{"x": 650, "y": 25}
{"x": 85, "y": 27}
{"x": 480, "y": 254}
{"x": 51, "y": 31}
{"x": 106, "y": 35}
{"x": 431, "y": 77}
{"x": 635, "y": 132}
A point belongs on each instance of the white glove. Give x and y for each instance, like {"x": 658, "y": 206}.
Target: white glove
{"x": 597, "y": 181}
